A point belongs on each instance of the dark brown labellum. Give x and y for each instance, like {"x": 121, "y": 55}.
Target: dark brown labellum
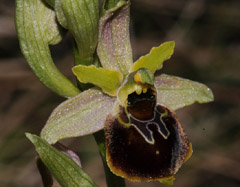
{"x": 153, "y": 147}
{"x": 143, "y": 113}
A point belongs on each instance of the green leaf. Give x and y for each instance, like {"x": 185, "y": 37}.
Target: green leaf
{"x": 65, "y": 170}
{"x": 50, "y": 2}
{"x": 154, "y": 60}
{"x": 69, "y": 152}
{"x": 114, "y": 48}
{"x": 176, "y": 92}
{"x": 37, "y": 28}
{"x": 108, "y": 80}
{"x": 45, "y": 173}
{"x": 80, "y": 115}
{"x": 108, "y": 4}
{"x": 80, "y": 17}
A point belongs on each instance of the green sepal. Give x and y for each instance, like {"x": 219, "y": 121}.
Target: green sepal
{"x": 175, "y": 92}
{"x": 64, "y": 169}
{"x": 114, "y": 47}
{"x": 80, "y": 17}
{"x": 108, "y": 80}
{"x": 78, "y": 116}
{"x": 37, "y": 28}
{"x": 154, "y": 60}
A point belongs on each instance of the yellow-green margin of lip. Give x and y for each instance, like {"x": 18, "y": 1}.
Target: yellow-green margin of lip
{"x": 116, "y": 111}
{"x": 122, "y": 122}
{"x": 108, "y": 80}
{"x": 138, "y": 81}
{"x": 189, "y": 154}
{"x": 165, "y": 180}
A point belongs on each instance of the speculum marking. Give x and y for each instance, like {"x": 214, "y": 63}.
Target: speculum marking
{"x": 144, "y": 126}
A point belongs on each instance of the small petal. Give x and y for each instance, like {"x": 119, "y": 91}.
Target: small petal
{"x": 155, "y": 58}
{"x": 80, "y": 115}
{"x": 108, "y": 80}
{"x": 176, "y": 92}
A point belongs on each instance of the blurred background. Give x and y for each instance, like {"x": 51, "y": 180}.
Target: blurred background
{"x": 207, "y": 36}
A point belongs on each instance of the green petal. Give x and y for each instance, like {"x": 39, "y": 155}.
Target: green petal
{"x": 80, "y": 17}
{"x": 108, "y": 80}
{"x": 155, "y": 58}
{"x": 80, "y": 115}
{"x": 37, "y": 28}
{"x": 65, "y": 170}
{"x": 176, "y": 92}
{"x": 114, "y": 48}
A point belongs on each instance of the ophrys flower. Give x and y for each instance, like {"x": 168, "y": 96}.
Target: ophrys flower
{"x": 144, "y": 139}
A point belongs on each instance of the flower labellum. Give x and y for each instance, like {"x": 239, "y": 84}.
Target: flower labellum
{"x": 144, "y": 140}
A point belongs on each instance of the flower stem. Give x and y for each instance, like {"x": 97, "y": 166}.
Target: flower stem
{"x": 111, "y": 179}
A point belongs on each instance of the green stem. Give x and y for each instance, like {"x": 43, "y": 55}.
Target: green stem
{"x": 111, "y": 179}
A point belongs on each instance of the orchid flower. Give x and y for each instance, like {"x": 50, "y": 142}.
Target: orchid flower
{"x": 144, "y": 139}
{"x": 134, "y": 105}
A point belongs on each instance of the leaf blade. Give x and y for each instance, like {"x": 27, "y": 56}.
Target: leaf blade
{"x": 80, "y": 17}
{"x": 80, "y": 115}
{"x": 33, "y": 21}
{"x": 176, "y": 92}
{"x": 65, "y": 170}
